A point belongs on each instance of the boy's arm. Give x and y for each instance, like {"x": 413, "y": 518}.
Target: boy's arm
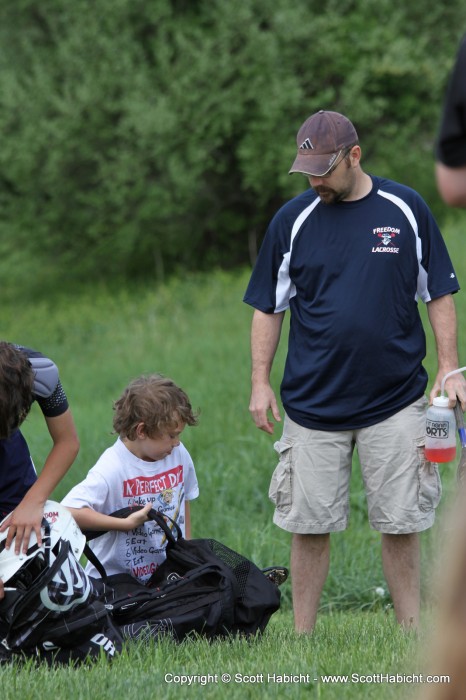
{"x": 89, "y": 519}
{"x": 27, "y": 516}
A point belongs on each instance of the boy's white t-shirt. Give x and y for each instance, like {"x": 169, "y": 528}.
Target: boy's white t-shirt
{"x": 120, "y": 479}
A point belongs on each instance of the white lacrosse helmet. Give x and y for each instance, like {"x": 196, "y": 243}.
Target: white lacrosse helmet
{"x": 62, "y": 526}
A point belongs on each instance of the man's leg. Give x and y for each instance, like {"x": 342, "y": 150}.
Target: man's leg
{"x": 310, "y": 489}
{"x": 403, "y": 491}
{"x": 310, "y": 557}
{"x": 401, "y": 566}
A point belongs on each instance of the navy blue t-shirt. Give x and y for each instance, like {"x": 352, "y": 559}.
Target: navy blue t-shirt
{"x": 17, "y": 472}
{"x": 351, "y": 274}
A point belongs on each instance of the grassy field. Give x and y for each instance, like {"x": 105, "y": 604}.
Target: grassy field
{"x": 279, "y": 665}
{"x": 196, "y": 330}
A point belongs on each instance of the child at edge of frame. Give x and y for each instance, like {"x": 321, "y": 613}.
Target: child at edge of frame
{"x": 147, "y": 467}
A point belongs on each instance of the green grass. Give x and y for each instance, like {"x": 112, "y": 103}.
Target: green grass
{"x": 343, "y": 643}
{"x": 196, "y": 330}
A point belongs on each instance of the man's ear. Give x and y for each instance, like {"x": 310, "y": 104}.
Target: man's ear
{"x": 355, "y": 155}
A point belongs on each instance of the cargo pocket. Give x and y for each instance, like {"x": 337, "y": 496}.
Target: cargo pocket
{"x": 429, "y": 485}
{"x": 281, "y": 482}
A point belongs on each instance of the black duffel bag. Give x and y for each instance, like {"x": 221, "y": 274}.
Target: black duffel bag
{"x": 202, "y": 587}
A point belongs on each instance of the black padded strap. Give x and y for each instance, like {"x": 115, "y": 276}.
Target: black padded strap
{"x": 96, "y": 561}
{"x": 156, "y": 516}
{"x": 153, "y": 514}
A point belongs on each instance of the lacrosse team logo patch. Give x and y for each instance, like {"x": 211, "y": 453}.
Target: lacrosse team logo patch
{"x": 386, "y": 242}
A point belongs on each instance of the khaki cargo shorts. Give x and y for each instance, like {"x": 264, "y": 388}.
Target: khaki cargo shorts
{"x": 310, "y": 485}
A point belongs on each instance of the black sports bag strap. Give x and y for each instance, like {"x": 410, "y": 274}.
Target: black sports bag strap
{"x": 156, "y": 516}
{"x": 95, "y": 560}
{"x": 153, "y": 514}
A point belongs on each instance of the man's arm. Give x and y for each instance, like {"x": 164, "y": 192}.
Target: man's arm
{"x": 450, "y": 152}
{"x": 451, "y": 184}
{"x": 442, "y": 317}
{"x": 265, "y": 336}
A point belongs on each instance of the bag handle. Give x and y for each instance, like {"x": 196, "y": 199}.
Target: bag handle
{"x": 47, "y": 540}
{"x": 155, "y": 515}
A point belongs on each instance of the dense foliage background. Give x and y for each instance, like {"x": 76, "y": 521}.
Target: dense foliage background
{"x": 143, "y": 137}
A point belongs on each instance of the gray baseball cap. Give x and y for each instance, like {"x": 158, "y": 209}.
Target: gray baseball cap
{"x": 320, "y": 140}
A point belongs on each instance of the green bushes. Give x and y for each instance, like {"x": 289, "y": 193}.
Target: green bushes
{"x": 140, "y": 138}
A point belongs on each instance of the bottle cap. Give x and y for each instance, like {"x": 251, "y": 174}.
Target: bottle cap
{"x": 441, "y": 401}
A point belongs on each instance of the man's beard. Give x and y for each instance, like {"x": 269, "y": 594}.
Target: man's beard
{"x": 329, "y": 196}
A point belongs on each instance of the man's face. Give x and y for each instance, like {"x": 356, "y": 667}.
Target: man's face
{"x": 337, "y": 185}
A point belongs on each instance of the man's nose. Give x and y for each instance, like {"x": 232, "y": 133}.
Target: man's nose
{"x": 315, "y": 181}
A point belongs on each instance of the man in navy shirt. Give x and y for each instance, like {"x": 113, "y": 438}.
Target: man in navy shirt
{"x": 450, "y": 168}
{"x": 350, "y": 258}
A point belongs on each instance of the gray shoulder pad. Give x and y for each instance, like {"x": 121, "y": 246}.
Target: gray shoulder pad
{"x": 45, "y": 376}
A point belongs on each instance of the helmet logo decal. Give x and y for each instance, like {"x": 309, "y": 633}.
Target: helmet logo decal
{"x": 69, "y": 587}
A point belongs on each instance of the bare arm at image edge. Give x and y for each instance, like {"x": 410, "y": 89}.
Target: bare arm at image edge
{"x": 450, "y": 166}
{"x": 451, "y": 184}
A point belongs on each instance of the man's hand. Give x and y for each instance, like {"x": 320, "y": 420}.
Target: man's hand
{"x": 455, "y": 388}
{"x": 262, "y": 401}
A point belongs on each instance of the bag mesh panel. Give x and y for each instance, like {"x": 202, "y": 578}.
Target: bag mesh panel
{"x": 237, "y": 563}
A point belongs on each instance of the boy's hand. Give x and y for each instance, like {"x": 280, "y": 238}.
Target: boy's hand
{"x": 25, "y": 519}
{"x": 137, "y": 518}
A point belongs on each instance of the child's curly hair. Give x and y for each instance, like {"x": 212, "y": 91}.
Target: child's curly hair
{"x": 155, "y": 401}
{"x": 16, "y": 388}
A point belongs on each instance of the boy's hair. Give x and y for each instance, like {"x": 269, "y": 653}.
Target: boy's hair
{"x": 155, "y": 401}
{"x": 16, "y": 388}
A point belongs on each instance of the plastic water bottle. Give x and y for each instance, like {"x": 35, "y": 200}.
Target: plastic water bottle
{"x": 440, "y": 431}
